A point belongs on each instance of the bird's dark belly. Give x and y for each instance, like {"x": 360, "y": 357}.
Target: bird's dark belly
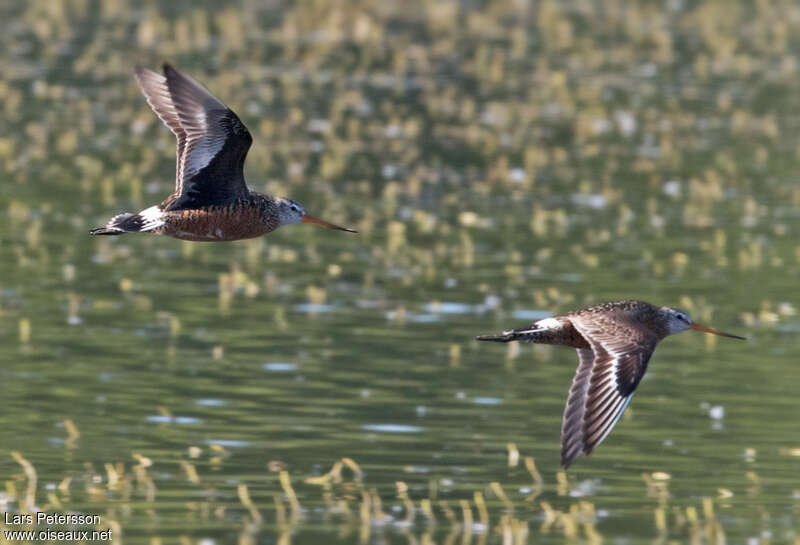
{"x": 214, "y": 225}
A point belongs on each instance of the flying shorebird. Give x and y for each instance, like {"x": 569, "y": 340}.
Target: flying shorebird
{"x": 614, "y": 342}
{"x": 211, "y": 201}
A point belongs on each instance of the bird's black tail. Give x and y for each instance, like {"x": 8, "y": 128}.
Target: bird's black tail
{"x": 118, "y": 225}
{"x": 150, "y": 219}
{"x": 521, "y": 334}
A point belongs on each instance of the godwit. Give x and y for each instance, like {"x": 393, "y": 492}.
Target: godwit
{"x": 614, "y": 342}
{"x": 211, "y": 201}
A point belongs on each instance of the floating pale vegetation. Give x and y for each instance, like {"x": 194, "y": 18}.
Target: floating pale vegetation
{"x": 280, "y": 320}
{"x": 424, "y": 222}
{"x": 316, "y": 295}
{"x": 73, "y": 308}
{"x": 24, "y": 331}
{"x": 396, "y": 237}
{"x": 470, "y": 219}
{"x": 562, "y": 484}
{"x": 226, "y": 291}
{"x": 190, "y": 471}
{"x": 513, "y": 453}
{"x": 402, "y": 495}
{"x": 244, "y": 497}
{"x": 455, "y": 355}
{"x": 334, "y": 270}
{"x": 125, "y": 285}
{"x": 30, "y": 473}
{"x": 73, "y": 434}
{"x": 475, "y": 515}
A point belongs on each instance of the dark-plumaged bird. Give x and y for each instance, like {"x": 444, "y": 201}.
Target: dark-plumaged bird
{"x": 211, "y": 201}
{"x": 614, "y": 342}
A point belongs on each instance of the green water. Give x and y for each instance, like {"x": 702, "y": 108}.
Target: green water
{"x": 503, "y": 162}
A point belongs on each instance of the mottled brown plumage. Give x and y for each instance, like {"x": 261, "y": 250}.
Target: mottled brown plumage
{"x": 249, "y": 217}
{"x": 211, "y": 201}
{"x": 614, "y": 343}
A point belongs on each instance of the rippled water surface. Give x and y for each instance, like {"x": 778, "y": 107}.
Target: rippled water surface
{"x": 503, "y": 162}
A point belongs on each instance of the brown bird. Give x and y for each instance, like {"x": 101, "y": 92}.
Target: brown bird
{"x": 211, "y": 201}
{"x": 614, "y": 342}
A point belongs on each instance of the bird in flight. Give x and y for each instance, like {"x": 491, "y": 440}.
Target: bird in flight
{"x": 211, "y": 201}
{"x": 614, "y": 343}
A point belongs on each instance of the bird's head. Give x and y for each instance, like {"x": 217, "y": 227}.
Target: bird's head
{"x": 679, "y": 320}
{"x": 290, "y": 211}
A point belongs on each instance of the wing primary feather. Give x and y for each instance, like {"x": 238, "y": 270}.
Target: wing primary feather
{"x": 212, "y": 141}
{"x": 155, "y": 90}
{"x": 604, "y": 382}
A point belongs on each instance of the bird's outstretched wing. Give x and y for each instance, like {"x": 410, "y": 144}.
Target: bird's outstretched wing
{"x": 212, "y": 141}
{"x": 607, "y": 375}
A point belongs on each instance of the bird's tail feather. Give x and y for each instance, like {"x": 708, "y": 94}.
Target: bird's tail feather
{"x": 521, "y": 334}
{"x": 118, "y": 225}
{"x": 146, "y": 220}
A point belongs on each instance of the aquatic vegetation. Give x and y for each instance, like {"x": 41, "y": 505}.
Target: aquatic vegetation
{"x": 344, "y": 498}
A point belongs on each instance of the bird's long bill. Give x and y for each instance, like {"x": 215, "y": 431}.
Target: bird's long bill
{"x": 707, "y": 329}
{"x": 312, "y": 219}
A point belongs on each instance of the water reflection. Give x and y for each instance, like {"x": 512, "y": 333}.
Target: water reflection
{"x": 391, "y": 428}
